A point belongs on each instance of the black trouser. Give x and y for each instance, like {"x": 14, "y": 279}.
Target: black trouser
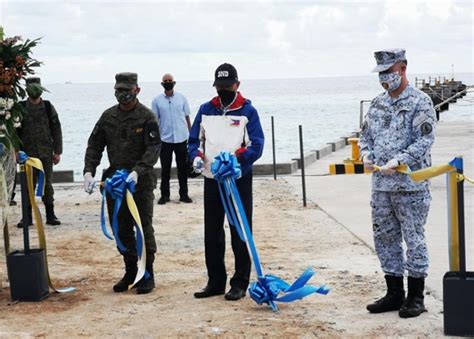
{"x": 181, "y": 153}
{"x": 14, "y": 188}
{"x": 214, "y": 235}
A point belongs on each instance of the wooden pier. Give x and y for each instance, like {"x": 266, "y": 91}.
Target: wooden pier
{"x": 442, "y": 91}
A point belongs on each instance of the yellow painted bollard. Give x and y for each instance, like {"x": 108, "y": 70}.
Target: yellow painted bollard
{"x": 355, "y": 149}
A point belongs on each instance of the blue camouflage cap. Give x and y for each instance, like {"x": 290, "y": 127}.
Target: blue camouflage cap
{"x": 387, "y": 58}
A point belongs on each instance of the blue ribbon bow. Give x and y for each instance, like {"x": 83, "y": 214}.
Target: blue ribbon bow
{"x": 226, "y": 169}
{"x": 22, "y": 158}
{"x": 116, "y": 187}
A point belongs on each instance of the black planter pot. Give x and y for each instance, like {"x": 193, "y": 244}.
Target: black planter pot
{"x": 27, "y": 275}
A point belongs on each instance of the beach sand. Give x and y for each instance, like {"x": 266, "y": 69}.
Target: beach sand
{"x": 289, "y": 238}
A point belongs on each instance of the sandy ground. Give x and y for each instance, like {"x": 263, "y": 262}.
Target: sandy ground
{"x": 289, "y": 238}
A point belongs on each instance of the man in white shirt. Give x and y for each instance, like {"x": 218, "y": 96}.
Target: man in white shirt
{"x": 172, "y": 111}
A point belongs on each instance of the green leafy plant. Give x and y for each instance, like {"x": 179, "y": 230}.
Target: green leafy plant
{"x": 16, "y": 64}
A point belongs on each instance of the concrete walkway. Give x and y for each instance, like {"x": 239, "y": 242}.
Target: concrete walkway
{"x": 346, "y": 198}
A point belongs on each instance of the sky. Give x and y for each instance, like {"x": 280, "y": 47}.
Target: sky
{"x": 89, "y": 41}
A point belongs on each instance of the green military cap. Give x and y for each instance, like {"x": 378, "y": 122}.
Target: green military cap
{"x": 33, "y": 80}
{"x": 125, "y": 80}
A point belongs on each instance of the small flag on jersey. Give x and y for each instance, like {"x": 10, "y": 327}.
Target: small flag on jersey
{"x": 235, "y": 122}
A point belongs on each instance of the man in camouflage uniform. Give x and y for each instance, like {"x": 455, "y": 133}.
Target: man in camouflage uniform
{"x": 399, "y": 129}
{"x": 130, "y": 132}
{"x": 41, "y": 137}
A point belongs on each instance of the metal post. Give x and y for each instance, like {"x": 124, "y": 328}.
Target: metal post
{"x": 25, "y": 208}
{"x": 302, "y": 165}
{"x": 273, "y": 148}
{"x": 462, "y": 244}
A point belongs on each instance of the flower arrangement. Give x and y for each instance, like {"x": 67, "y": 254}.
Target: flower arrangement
{"x": 15, "y": 64}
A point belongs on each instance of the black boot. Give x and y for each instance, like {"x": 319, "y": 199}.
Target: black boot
{"x": 129, "y": 277}
{"x": 394, "y": 298}
{"x": 20, "y": 224}
{"x": 147, "y": 284}
{"x": 414, "y": 304}
{"x": 51, "y": 218}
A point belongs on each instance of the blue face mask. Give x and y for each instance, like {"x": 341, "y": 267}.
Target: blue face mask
{"x": 393, "y": 80}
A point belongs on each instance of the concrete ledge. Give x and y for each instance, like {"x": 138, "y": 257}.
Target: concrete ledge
{"x": 63, "y": 176}
{"x": 58, "y": 177}
{"x": 308, "y": 159}
{"x": 337, "y": 145}
{"x": 323, "y": 151}
{"x": 282, "y": 168}
{"x": 352, "y": 135}
{"x": 258, "y": 169}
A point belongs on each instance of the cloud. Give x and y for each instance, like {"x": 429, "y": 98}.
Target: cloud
{"x": 92, "y": 40}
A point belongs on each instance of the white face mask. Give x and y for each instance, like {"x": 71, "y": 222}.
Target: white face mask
{"x": 393, "y": 80}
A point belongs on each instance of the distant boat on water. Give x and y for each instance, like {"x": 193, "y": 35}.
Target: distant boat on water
{"x": 68, "y": 83}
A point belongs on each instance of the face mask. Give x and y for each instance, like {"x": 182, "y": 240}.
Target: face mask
{"x": 34, "y": 91}
{"x": 393, "y": 81}
{"x": 168, "y": 85}
{"x": 226, "y": 96}
{"x": 125, "y": 97}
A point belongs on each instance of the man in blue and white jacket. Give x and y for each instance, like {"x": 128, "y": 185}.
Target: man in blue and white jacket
{"x": 227, "y": 123}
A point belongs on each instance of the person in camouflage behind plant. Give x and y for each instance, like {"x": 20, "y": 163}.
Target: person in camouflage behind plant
{"x": 130, "y": 132}
{"x": 41, "y": 137}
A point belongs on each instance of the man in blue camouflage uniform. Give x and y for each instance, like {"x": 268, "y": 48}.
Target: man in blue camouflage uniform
{"x": 399, "y": 129}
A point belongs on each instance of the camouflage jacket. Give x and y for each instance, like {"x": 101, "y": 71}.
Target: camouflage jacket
{"x": 40, "y": 130}
{"x": 132, "y": 139}
{"x": 403, "y": 129}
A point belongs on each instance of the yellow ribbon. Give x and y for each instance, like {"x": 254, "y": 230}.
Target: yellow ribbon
{"x": 133, "y": 209}
{"x": 31, "y": 164}
{"x": 429, "y": 172}
{"x": 423, "y": 174}
{"x": 452, "y": 180}
{"x": 136, "y": 216}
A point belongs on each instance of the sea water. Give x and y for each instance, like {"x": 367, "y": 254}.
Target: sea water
{"x": 327, "y": 109}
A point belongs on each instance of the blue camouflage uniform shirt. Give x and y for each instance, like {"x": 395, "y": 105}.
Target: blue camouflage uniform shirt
{"x": 399, "y": 128}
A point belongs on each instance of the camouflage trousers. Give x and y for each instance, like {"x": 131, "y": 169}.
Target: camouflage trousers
{"x": 144, "y": 200}
{"x": 398, "y": 216}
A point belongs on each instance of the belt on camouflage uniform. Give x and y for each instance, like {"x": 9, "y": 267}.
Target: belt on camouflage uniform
{"x": 31, "y": 164}
{"x": 117, "y": 188}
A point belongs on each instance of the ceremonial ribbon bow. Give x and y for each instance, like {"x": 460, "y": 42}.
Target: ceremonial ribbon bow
{"x": 117, "y": 187}
{"x": 267, "y": 288}
{"x": 31, "y": 164}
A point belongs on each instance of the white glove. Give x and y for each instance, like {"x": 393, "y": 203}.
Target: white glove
{"x": 198, "y": 165}
{"x": 368, "y": 164}
{"x": 89, "y": 183}
{"x": 133, "y": 176}
{"x": 389, "y": 167}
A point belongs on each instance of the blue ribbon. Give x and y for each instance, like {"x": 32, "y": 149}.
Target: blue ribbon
{"x": 22, "y": 158}
{"x": 226, "y": 169}
{"x": 116, "y": 187}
